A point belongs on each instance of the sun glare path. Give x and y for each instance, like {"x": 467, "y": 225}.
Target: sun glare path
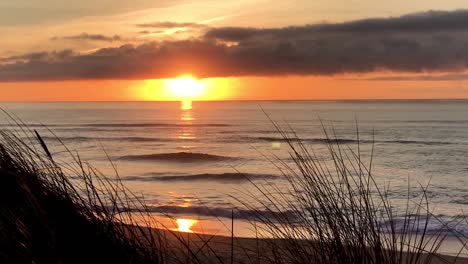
{"x": 185, "y": 225}
{"x": 186, "y": 105}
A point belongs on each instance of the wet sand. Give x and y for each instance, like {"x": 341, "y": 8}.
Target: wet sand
{"x": 184, "y": 247}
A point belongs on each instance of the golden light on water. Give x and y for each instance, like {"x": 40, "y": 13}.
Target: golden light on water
{"x": 186, "y": 105}
{"x": 186, "y": 132}
{"x": 185, "y": 225}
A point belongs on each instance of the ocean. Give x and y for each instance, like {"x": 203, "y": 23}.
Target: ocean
{"x": 189, "y": 160}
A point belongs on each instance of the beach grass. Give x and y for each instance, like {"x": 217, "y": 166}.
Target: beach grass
{"x": 335, "y": 211}
{"x": 46, "y": 217}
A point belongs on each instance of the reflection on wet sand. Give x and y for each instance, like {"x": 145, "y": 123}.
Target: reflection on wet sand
{"x": 185, "y": 225}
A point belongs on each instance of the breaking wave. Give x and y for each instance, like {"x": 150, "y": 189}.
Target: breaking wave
{"x": 177, "y": 157}
{"x": 220, "y": 177}
{"x": 34, "y": 125}
{"x": 344, "y": 140}
{"x": 220, "y": 212}
{"x": 94, "y": 139}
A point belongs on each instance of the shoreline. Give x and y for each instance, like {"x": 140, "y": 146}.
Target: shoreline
{"x": 216, "y": 231}
{"x": 211, "y": 248}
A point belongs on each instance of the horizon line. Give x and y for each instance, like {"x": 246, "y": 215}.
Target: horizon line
{"x": 241, "y": 100}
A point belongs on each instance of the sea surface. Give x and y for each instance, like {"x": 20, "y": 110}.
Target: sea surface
{"x": 190, "y": 160}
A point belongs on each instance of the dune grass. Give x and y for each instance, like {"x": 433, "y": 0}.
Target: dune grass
{"x": 52, "y": 212}
{"x": 336, "y": 212}
{"x": 47, "y": 218}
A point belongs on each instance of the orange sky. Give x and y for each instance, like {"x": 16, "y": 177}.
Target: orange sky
{"x": 50, "y": 40}
{"x": 248, "y": 88}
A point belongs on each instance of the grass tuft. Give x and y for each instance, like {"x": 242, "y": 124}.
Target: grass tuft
{"x": 333, "y": 211}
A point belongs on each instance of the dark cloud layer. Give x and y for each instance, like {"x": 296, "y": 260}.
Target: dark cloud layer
{"x": 426, "y": 22}
{"x": 422, "y": 77}
{"x": 423, "y": 42}
{"x": 51, "y": 57}
{"x": 92, "y": 37}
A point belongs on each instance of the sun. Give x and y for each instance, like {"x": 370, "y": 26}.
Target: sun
{"x": 185, "y": 88}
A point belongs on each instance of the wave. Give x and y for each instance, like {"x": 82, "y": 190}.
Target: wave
{"x": 153, "y": 125}
{"x": 311, "y": 140}
{"x": 345, "y": 141}
{"x": 245, "y": 138}
{"x": 91, "y": 129}
{"x": 118, "y": 125}
{"x": 285, "y": 140}
{"x": 66, "y": 139}
{"x": 442, "y": 224}
{"x": 91, "y": 139}
{"x": 220, "y": 177}
{"x": 451, "y": 225}
{"x": 238, "y": 140}
{"x": 220, "y": 212}
{"x": 177, "y": 157}
{"x": 434, "y": 121}
{"x": 419, "y": 142}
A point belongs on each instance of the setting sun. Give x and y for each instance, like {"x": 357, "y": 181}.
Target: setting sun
{"x": 185, "y": 87}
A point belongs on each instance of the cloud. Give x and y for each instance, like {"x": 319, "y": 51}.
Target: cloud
{"x": 425, "y": 22}
{"x": 424, "y": 42}
{"x": 37, "y": 57}
{"x": 147, "y": 32}
{"x": 423, "y": 77}
{"x": 150, "y": 60}
{"x": 170, "y": 25}
{"x": 92, "y": 37}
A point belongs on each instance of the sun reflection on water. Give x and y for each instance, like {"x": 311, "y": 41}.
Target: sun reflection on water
{"x": 186, "y": 117}
{"x": 186, "y": 105}
{"x": 185, "y": 225}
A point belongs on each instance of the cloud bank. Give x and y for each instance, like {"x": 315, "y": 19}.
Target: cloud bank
{"x": 426, "y": 22}
{"x": 433, "y": 41}
{"x": 90, "y": 37}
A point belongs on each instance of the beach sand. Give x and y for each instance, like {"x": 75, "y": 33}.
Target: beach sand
{"x": 185, "y": 247}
